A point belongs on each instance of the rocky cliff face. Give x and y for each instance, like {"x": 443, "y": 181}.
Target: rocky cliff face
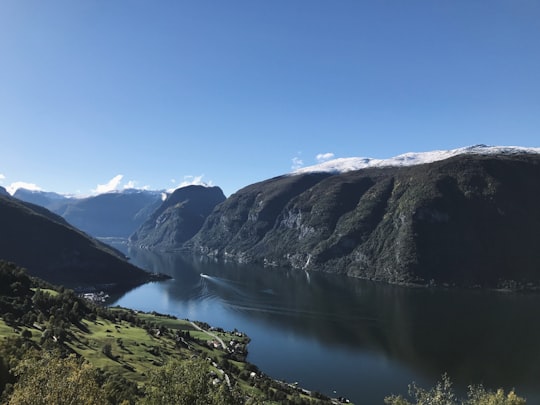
{"x": 53, "y": 250}
{"x": 180, "y": 217}
{"x": 468, "y": 220}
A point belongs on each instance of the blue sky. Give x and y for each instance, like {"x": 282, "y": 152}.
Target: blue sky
{"x": 157, "y": 93}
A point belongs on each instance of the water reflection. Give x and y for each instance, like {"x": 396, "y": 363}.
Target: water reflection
{"x": 368, "y": 336}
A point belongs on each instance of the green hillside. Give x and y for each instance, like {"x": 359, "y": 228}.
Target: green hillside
{"x": 125, "y": 357}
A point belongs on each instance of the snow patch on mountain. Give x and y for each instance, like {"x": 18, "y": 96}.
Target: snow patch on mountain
{"x": 342, "y": 165}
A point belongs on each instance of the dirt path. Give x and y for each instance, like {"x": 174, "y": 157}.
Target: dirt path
{"x": 227, "y": 379}
{"x": 210, "y": 334}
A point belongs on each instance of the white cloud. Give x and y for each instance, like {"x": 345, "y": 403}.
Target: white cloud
{"x": 192, "y": 181}
{"x": 2, "y": 177}
{"x": 21, "y": 184}
{"x": 110, "y": 186}
{"x": 297, "y": 163}
{"x": 323, "y": 157}
{"x": 130, "y": 184}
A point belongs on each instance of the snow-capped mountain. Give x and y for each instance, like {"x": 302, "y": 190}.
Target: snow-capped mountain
{"x": 342, "y": 165}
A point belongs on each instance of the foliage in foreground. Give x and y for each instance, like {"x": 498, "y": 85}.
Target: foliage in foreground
{"x": 443, "y": 394}
{"x": 46, "y": 378}
{"x": 187, "y": 383}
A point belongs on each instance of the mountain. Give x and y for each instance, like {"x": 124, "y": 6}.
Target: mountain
{"x": 3, "y": 191}
{"x": 471, "y": 219}
{"x": 114, "y": 214}
{"x": 51, "y": 249}
{"x": 343, "y": 165}
{"x": 178, "y": 218}
{"x": 49, "y": 200}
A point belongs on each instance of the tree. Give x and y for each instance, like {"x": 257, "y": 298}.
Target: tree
{"x": 26, "y": 334}
{"x": 107, "y": 350}
{"x": 117, "y": 389}
{"x": 443, "y": 394}
{"x": 46, "y": 378}
{"x": 186, "y": 383}
{"x": 479, "y": 396}
{"x": 4, "y": 375}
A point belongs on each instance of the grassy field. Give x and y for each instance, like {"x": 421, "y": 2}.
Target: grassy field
{"x": 135, "y": 351}
{"x": 47, "y": 290}
{"x": 5, "y": 330}
{"x": 122, "y": 348}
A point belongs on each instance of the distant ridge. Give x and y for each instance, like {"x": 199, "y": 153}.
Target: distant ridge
{"x": 47, "y": 199}
{"x": 112, "y": 214}
{"x": 343, "y": 165}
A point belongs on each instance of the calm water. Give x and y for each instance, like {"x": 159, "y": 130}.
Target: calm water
{"x": 359, "y": 339}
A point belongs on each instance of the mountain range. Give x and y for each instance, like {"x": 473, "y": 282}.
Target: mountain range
{"x": 464, "y": 217}
{"x": 114, "y": 214}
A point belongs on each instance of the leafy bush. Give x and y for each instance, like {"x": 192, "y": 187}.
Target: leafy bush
{"x": 443, "y": 394}
{"x": 186, "y": 383}
{"x": 46, "y": 378}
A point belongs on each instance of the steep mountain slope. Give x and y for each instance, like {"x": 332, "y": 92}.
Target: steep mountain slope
{"x": 50, "y": 248}
{"x": 115, "y": 214}
{"x": 472, "y": 219}
{"x": 180, "y": 217}
{"x": 3, "y": 191}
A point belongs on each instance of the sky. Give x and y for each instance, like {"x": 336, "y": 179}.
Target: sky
{"x": 98, "y": 95}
